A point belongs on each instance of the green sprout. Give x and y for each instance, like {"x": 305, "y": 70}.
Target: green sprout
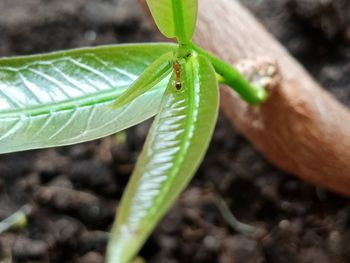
{"x": 74, "y": 96}
{"x": 18, "y": 220}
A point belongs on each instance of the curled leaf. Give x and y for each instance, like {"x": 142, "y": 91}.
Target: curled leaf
{"x": 175, "y": 18}
{"x": 174, "y": 148}
{"x": 155, "y": 73}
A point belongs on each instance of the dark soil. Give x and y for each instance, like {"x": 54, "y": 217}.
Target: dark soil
{"x": 74, "y": 190}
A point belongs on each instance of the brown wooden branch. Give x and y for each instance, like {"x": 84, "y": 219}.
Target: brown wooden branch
{"x": 301, "y": 128}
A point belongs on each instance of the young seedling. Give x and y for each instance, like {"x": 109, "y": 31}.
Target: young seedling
{"x": 79, "y": 95}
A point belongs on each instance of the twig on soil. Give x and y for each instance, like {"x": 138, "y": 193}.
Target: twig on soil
{"x": 234, "y": 223}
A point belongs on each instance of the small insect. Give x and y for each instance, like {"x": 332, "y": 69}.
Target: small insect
{"x": 177, "y": 69}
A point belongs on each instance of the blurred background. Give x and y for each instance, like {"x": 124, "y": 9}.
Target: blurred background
{"x": 73, "y": 191}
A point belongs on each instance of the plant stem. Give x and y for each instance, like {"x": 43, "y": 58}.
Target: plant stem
{"x": 230, "y": 76}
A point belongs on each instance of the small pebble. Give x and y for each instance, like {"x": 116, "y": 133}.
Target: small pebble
{"x": 25, "y": 248}
{"x": 91, "y": 257}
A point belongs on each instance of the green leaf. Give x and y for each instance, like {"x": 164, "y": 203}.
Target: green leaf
{"x": 174, "y": 148}
{"x": 64, "y": 98}
{"x": 175, "y": 18}
{"x": 154, "y": 74}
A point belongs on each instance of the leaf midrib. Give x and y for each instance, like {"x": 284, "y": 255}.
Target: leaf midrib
{"x": 179, "y": 21}
{"x": 84, "y": 101}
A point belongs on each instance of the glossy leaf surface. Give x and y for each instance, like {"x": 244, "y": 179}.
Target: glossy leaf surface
{"x": 64, "y": 98}
{"x": 174, "y": 148}
{"x": 175, "y": 18}
{"x": 154, "y": 74}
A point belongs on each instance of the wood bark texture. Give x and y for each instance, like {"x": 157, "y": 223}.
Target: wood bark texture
{"x": 301, "y": 128}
